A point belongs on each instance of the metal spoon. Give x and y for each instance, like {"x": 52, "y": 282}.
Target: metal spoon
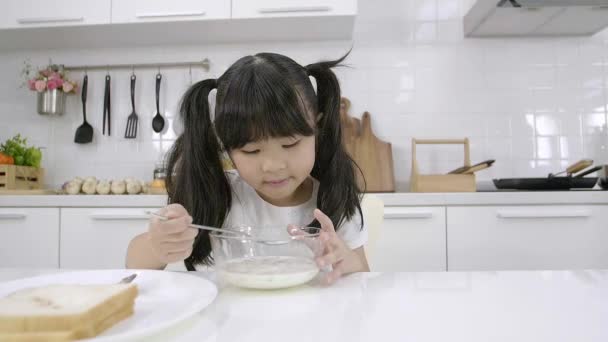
{"x": 128, "y": 279}
{"x": 158, "y": 122}
{"x": 237, "y": 235}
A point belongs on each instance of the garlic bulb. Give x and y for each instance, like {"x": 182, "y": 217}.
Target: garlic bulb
{"x": 133, "y": 188}
{"x": 118, "y": 187}
{"x": 73, "y": 188}
{"x": 89, "y": 186}
{"x": 103, "y": 187}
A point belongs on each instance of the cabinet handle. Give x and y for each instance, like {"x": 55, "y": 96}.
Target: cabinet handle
{"x": 172, "y": 14}
{"x": 515, "y": 214}
{"x": 112, "y": 217}
{"x": 26, "y": 21}
{"x": 12, "y": 216}
{"x": 294, "y": 9}
{"x": 407, "y": 214}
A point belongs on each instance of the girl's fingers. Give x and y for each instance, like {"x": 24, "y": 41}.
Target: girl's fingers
{"x": 176, "y": 247}
{"x": 187, "y": 235}
{"x": 325, "y": 221}
{"x": 334, "y": 275}
{"x": 176, "y": 225}
{"x": 330, "y": 258}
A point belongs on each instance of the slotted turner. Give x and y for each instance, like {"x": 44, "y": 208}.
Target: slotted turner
{"x": 132, "y": 120}
{"x": 84, "y": 133}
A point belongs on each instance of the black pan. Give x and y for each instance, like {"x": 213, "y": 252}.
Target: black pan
{"x": 553, "y": 183}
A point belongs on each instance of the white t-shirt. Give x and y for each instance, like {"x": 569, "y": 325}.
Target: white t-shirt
{"x": 249, "y": 209}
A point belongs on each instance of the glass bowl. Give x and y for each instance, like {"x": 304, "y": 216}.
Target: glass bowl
{"x": 266, "y": 257}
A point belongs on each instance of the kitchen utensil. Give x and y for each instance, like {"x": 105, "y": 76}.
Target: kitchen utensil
{"x": 442, "y": 183}
{"x": 158, "y": 122}
{"x": 587, "y": 172}
{"x": 239, "y": 233}
{"x": 474, "y": 168}
{"x": 132, "y": 120}
{"x": 128, "y": 279}
{"x": 373, "y": 156}
{"x": 246, "y": 263}
{"x": 553, "y": 183}
{"x": 84, "y": 133}
{"x": 107, "y": 117}
{"x": 574, "y": 168}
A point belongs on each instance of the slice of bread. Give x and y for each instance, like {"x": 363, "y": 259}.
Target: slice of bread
{"x": 64, "y": 312}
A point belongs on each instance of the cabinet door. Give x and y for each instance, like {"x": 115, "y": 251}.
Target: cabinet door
{"x": 411, "y": 239}
{"x": 29, "y": 237}
{"x": 37, "y": 13}
{"x": 130, "y": 11}
{"x": 96, "y": 238}
{"x": 292, "y": 8}
{"x": 527, "y": 237}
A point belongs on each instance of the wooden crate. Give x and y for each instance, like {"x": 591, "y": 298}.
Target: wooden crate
{"x": 446, "y": 182}
{"x": 14, "y": 177}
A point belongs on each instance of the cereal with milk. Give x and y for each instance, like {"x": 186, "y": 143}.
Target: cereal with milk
{"x": 268, "y": 272}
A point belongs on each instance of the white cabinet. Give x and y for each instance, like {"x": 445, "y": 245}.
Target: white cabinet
{"x": 38, "y": 13}
{"x": 29, "y": 237}
{"x": 289, "y": 8}
{"x": 411, "y": 239}
{"x": 131, "y": 11}
{"x": 97, "y": 238}
{"x": 527, "y": 237}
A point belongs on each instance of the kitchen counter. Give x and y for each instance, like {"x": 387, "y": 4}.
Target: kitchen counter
{"x": 392, "y": 199}
{"x": 449, "y": 306}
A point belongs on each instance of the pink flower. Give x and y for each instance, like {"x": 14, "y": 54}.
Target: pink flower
{"x": 31, "y": 84}
{"x": 59, "y": 82}
{"x": 67, "y": 87}
{"x": 55, "y": 76}
{"x": 40, "y": 85}
{"x": 51, "y": 84}
{"x": 45, "y": 72}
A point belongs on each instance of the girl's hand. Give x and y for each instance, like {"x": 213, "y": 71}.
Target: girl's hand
{"x": 335, "y": 252}
{"x": 171, "y": 240}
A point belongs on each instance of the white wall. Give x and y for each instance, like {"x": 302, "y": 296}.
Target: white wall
{"x": 534, "y": 105}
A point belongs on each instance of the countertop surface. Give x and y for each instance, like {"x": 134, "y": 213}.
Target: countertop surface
{"x": 390, "y": 199}
{"x": 449, "y": 306}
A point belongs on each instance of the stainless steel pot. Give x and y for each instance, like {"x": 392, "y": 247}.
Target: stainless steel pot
{"x": 51, "y": 102}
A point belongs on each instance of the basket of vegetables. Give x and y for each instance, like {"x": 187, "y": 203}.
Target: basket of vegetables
{"x": 20, "y": 165}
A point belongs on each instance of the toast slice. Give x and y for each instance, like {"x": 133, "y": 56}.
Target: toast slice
{"x": 64, "y": 312}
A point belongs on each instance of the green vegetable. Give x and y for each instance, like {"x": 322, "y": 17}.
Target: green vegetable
{"x": 23, "y": 154}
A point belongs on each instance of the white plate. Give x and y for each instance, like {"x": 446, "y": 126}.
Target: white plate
{"x": 165, "y": 298}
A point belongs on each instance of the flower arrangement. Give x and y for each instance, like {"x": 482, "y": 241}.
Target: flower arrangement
{"x": 50, "y": 78}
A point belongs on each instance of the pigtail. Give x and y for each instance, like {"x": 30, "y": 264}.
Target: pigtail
{"x": 195, "y": 177}
{"x": 338, "y": 195}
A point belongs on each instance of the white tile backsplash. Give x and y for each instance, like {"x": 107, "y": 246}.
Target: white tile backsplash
{"x": 534, "y": 105}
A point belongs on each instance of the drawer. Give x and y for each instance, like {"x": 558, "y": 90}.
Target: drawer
{"x": 292, "y": 8}
{"x": 97, "y": 238}
{"x": 411, "y": 239}
{"x": 133, "y": 11}
{"x": 29, "y": 237}
{"x": 527, "y": 237}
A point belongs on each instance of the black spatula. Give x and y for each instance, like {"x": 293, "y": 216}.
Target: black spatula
{"x": 84, "y": 133}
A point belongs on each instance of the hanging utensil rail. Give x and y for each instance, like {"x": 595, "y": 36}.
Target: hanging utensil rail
{"x": 205, "y": 64}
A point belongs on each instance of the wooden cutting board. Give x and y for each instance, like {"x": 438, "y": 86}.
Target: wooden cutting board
{"x": 374, "y": 156}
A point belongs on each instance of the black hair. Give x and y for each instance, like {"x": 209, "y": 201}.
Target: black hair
{"x": 261, "y": 96}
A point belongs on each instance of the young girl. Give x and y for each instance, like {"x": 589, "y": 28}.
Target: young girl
{"x": 285, "y": 143}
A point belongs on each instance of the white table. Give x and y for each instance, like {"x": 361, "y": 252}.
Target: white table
{"x": 478, "y": 306}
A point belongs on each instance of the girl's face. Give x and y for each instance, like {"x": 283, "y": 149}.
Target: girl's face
{"x": 276, "y": 167}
